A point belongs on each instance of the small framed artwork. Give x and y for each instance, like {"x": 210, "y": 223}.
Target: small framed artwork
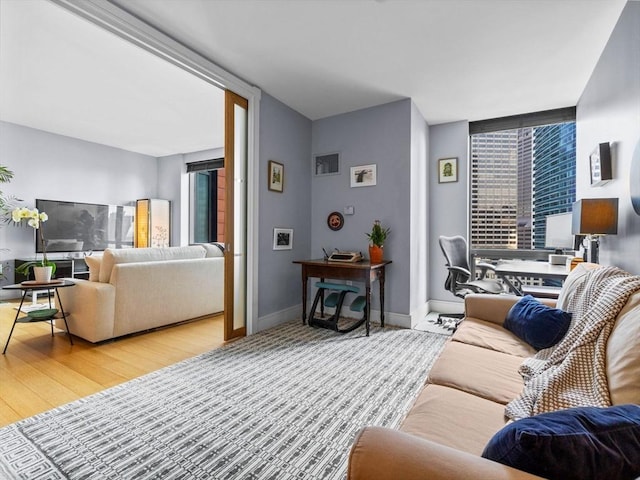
{"x": 326, "y": 164}
{"x": 448, "y": 170}
{"x": 282, "y": 238}
{"x": 363, "y": 176}
{"x": 276, "y": 176}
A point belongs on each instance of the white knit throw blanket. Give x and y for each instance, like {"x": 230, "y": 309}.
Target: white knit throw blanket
{"x": 573, "y": 372}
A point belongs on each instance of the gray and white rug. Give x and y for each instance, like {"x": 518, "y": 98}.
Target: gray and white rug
{"x": 283, "y": 404}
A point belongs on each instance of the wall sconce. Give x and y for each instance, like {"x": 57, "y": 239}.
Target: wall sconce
{"x": 594, "y": 217}
{"x": 600, "y": 165}
{"x": 153, "y": 223}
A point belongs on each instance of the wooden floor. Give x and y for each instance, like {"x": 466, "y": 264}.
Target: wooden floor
{"x": 39, "y": 372}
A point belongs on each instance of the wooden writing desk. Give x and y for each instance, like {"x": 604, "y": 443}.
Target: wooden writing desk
{"x": 358, "y": 272}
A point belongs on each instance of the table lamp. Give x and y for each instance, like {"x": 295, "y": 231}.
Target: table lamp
{"x": 594, "y": 217}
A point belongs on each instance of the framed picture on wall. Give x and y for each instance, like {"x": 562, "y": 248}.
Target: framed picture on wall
{"x": 448, "y": 170}
{"x": 283, "y": 238}
{"x": 363, "y": 176}
{"x": 326, "y": 164}
{"x": 276, "y": 176}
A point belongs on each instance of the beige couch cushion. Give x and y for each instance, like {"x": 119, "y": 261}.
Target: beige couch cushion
{"x": 623, "y": 354}
{"x": 479, "y": 371}
{"x": 132, "y": 255}
{"x": 492, "y": 336}
{"x": 454, "y": 418}
{"x": 94, "y": 267}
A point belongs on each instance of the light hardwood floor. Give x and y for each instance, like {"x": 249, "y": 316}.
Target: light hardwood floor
{"x": 39, "y": 372}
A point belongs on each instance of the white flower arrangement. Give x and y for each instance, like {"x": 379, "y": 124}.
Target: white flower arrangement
{"x": 34, "y": 218}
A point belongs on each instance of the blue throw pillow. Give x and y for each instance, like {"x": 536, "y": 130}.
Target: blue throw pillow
{"x": 536, "y": 323}
{"x": 577, "y": 443}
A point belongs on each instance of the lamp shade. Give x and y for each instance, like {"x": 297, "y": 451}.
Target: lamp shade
{"x": 153, "y": 223}
{"x": 595, "y": 216}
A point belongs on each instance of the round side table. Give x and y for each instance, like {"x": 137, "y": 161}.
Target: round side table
{"x": 47, "y": 315}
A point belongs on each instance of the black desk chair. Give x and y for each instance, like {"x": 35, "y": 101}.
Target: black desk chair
{"x": 459, "y": 281}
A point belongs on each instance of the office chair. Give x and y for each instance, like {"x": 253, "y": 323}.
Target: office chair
{"x": 459, "y": 281}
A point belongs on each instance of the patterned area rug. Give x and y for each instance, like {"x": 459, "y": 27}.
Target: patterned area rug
{"x": 283, "y": 404}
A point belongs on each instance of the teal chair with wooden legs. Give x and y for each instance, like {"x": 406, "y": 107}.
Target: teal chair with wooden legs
{"x": 335, "y": 299}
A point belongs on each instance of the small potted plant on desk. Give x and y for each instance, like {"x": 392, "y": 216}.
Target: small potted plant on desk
{"x": 377, "y": 238}
{"x": 43, "y": 269}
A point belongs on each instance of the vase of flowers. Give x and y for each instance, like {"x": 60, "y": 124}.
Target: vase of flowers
{"x": 377, "y": 238}
{"x": 43, "y": 270}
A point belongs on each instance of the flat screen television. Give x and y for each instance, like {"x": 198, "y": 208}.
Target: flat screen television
{"x": 84, "y": 227}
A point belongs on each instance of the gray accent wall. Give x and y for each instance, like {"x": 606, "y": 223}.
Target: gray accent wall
{"x": 382, "y": 136}
{"x": 285, "y": 136}
{"x": 609, "y": 111}
{"x": 448, "y": 202}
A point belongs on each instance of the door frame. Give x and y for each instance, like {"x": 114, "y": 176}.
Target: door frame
{"x": 119, "y": 22}
{"x": 231, "y": 101}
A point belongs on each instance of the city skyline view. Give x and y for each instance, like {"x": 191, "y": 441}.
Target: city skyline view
{"x": 518, "y": 178}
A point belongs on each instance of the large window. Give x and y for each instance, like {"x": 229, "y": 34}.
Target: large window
{"x": 519, "y": 176}
{"x": 207, "y": 197}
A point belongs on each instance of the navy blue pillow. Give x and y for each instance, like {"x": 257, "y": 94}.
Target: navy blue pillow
{"x": 577, "y": 443}
{"x": 536, "y": 323}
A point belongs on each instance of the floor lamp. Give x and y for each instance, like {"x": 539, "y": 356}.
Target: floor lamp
{"x": 153, "y": 223}
{"x": 594, "y": 217}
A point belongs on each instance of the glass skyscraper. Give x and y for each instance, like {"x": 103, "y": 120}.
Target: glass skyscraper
{"x": 494, "y": 170}
{"x": 554, "y": 174}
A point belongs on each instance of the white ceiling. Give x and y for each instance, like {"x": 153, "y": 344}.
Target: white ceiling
{"x": 457, "y": 59}
{"x": 62, "y": 74}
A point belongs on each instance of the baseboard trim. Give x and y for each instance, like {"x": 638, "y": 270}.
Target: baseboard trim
{"x": 293, "y": 313}
{"x": 394, "y": 319}
{"x": 444, "y": 306}
{"x": 277, "y": 318}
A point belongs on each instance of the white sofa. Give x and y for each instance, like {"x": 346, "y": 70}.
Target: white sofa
{"x": 133, "y": 290}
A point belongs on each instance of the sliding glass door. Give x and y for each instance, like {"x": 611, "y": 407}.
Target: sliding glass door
{"x": 235, "y": 159}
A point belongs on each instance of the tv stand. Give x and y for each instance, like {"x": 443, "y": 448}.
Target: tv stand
{"x": 65, "y": 268}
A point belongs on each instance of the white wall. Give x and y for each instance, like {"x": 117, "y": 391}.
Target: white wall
{"x": 609, "y": 111}
{"x": 419, "y": 224}
{"x": 55, "y": 167}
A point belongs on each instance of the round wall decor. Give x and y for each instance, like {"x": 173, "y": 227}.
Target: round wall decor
{"x": 335, "y": 221}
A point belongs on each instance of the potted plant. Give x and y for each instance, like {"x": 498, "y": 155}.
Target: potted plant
{"x": 43, "y": 270}
{"x": 377, "y": 238}
{"x": 6, "y": 202}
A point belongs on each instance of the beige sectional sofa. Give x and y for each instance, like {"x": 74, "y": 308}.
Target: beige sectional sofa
{"x": 463, "y": 402}
{"x": 133, "y": 290}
